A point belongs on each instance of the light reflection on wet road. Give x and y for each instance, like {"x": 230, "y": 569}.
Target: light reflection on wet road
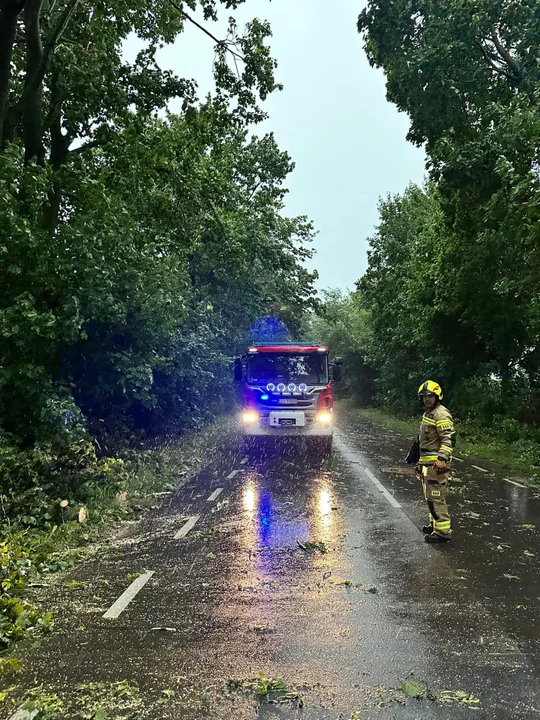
{"x": 303, "y": 570}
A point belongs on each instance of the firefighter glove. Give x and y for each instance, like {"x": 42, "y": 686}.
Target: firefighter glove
{"x": 440, "y": 466}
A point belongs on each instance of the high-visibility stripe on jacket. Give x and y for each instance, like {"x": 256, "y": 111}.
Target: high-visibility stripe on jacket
{"x": 436, "y": 435}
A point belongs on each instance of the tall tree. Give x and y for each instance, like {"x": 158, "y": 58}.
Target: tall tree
{"x": 137, "y": 247}
{"x": 467, "y": 75}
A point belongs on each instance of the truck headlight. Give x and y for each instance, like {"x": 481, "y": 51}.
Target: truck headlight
{"x": 324, "y": 417}
{"x": 250, "y": 416}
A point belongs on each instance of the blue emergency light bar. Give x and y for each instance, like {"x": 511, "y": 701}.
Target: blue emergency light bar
{"x": 276, "y": 343}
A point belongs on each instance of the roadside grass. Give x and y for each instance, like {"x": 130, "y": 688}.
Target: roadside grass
{"x": 472, "y": 442}
{"x": 29, "y": 555}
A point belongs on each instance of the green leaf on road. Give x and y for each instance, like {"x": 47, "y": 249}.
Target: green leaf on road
{"x": 412, "y": 689}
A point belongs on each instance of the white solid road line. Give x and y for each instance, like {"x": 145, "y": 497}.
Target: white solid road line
{"x": 189, "y": 525}
{"x": 123, "y": 601}
{"x": 356, "y": 457}
{"x": 458, "y": 459}
{"x": 391, "y": 499}
{"x": 479, "y": 468}
{"x": 217, "y": 492}
{"x": 233, "y": 474}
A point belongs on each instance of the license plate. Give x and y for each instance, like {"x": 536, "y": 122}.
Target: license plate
{"x": 287, "y": 422}
{"x": 288, "y": 401}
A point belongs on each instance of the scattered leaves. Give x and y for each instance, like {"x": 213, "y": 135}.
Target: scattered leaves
{"x": 75, "y": 585}
{"x": 412, "y": 689}
{"x": 4, "y": 694}
{"x": 458, "y": 696}
{"x": 272, "y": 690}
{"x": 9, "y": 664}
{"x": 312, "y": 546}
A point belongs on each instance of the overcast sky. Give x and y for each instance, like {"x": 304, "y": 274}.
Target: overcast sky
{"x": 332, "y": 117}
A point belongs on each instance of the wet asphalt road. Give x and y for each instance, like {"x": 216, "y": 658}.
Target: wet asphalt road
{"x": 345, "y": 623}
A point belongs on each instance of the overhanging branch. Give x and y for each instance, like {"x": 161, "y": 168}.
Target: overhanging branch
{"x": 87, "y": 146}
{"x": 503, "y": 52}
{"x": 500, "y": 70}
{"x": 221, "y": 43}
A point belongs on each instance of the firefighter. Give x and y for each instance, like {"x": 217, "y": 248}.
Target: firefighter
{"x": 436, "y": 446}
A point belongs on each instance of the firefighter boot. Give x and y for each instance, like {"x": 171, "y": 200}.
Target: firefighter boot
{"x": 434, "y": 538}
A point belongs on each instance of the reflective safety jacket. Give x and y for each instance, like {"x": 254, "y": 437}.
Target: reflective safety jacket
{"x": 437, "y": 435}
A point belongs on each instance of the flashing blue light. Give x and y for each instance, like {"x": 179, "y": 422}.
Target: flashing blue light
{"x": 265, "y": 397}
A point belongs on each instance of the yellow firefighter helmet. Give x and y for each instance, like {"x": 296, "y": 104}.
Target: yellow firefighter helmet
{"x": 430, "y": 388}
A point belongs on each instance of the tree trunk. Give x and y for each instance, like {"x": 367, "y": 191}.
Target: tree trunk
{"x": 9, "y": 12}
{"x": 32, "y": 120}
{"x": 59, "y": 153}
{"x": 35, "y": 73}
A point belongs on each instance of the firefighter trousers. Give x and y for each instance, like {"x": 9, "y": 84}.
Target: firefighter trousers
{"x": 435, "y": 487}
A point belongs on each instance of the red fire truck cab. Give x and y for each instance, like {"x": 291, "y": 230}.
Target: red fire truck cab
{"x": 287, "y": 391}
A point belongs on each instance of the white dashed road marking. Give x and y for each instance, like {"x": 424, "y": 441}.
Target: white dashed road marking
{"x": 123, "y": 601}
{"x": 217, "y": 492}
{"x": 189, "y": 525}
{"x": 513, "y": 482}
{"x": 233, "y": 474}
{"x": 479, "y": 468}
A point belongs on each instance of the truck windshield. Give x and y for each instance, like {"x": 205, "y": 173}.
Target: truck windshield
{"x": 266, "y": 368}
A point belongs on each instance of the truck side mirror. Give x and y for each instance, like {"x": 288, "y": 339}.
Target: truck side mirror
{"x": 338, "y": 361}
{"x": 336, "y": 372}
{"x": 238, "y": 372}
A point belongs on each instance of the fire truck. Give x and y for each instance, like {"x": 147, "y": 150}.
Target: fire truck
{"x": 287, "y": 391}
